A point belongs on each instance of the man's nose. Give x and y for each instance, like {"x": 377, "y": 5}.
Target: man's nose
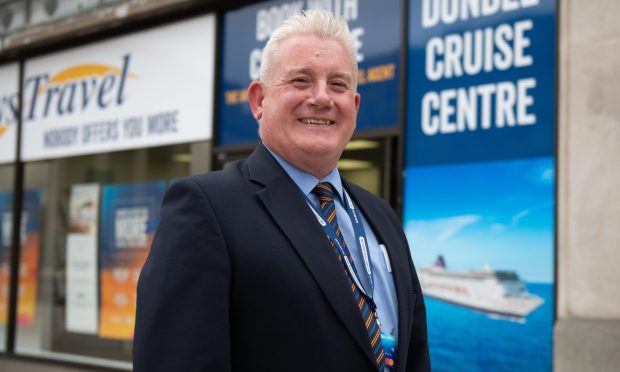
{"x": 321, "y": 96}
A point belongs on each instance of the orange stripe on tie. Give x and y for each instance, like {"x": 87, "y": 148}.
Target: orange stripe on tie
{"x": 374, "y": 340}
{"x": 380, "y": 357}
{"x": 331, "y": 216}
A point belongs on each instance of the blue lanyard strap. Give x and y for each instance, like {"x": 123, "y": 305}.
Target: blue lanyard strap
{"x": 360, "y": 240}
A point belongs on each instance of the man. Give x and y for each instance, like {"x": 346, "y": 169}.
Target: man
{"x": 268, "y": 265}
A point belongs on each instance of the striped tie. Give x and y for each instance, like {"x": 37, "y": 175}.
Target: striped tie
{"x": 325, "y": 192}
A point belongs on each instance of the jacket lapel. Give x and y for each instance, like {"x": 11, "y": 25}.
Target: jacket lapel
{"x": 386, "y": 234}
{"x": 286, "y": 205}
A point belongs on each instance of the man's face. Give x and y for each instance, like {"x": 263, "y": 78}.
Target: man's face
{"x": 307, "y": 108}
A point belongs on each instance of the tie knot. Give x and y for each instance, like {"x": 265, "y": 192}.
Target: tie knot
{"x": 324, "y": 191}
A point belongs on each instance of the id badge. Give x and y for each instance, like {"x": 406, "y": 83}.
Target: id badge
{"x": 389, "y": 348}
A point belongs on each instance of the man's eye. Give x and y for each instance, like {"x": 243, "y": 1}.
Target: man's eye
{"x": 300, "y": 80}
{"x": 339, "y": 85}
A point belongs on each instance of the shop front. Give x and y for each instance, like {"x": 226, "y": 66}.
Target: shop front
{"x": 106, "y": 128}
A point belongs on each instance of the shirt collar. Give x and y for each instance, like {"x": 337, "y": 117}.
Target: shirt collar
{"x": 305, "y": 181}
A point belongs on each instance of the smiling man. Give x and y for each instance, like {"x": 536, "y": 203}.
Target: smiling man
{"x": 275, "y": 263}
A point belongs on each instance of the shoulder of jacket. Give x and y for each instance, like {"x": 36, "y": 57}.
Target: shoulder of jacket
{"x": 232, "y": 171}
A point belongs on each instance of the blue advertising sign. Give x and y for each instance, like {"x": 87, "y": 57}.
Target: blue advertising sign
{"x": 481, "y": 80}
{"x": 375, "y": 26}
{"x": 479, "y": 191}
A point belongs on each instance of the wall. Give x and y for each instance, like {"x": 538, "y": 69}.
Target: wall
{"x": 587, "y": 332}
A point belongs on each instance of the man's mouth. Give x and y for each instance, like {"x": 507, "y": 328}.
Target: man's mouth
{"x": 316, "y": 121}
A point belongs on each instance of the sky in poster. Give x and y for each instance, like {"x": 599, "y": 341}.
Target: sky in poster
{"x": 494, "y": 213}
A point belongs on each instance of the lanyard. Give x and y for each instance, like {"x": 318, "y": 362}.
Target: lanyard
{"x": 360, "y": 239}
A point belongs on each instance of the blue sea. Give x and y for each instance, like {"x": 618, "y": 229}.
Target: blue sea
{"x": 466, "y": 341}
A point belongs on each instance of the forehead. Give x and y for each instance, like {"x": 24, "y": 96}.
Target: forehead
{"x": 303, "y": 51}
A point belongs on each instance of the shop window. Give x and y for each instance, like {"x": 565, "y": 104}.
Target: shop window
{"x": 90, "y": 223}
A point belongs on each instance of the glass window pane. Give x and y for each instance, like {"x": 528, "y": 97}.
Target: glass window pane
{"x": 12, "y": 16}
{"x": 94, "y": 217}
{"x": 43, "y": 11}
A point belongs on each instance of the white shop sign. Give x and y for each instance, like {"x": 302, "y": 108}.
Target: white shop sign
{"x": 147, "y": 89}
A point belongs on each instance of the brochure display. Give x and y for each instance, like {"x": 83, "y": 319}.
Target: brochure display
{"x": 129, "y": 218}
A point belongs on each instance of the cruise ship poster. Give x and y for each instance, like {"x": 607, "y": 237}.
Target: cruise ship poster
{"x": 482, "y": 239}
{"x": 479, "y": 203}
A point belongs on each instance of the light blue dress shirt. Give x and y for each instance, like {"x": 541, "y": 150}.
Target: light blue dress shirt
{"x": 384, "y": 293}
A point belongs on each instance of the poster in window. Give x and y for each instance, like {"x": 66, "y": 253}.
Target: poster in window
{"x": 81, "y": 310}
{"x": 129, "y": 219}
{"x": 6, "y": 226}
{"x": 29, "y": 256}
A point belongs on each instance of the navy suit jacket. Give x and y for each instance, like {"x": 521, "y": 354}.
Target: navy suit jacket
{"x": 241, "y": 277}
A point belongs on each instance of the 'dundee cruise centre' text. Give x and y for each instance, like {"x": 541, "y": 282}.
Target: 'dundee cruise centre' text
{"x": 488, "y": 50}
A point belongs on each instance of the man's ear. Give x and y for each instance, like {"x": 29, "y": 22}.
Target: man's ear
{"x": 255, "y": 98}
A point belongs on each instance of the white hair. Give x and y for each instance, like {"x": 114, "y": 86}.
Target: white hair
{"x": 321, "y": 23}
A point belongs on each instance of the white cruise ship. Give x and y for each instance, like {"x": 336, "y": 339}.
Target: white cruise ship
{"x": 496, "y": 292}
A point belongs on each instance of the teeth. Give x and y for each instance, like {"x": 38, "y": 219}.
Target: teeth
{"x": 316, "y": 121}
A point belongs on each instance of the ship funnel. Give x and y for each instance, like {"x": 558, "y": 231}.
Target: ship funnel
{"x": 440, "y": 262}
